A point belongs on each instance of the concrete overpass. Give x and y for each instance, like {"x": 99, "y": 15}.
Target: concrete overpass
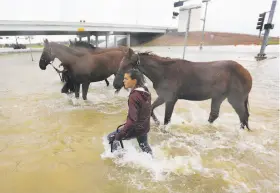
{"x": 81, "y": 29}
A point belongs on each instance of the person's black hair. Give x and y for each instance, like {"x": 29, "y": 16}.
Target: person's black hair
{"x": 136, "y": 74}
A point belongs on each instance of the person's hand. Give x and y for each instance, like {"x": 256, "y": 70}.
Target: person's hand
{"x": 111, "y": 138}
{"x": 118, "y": 136}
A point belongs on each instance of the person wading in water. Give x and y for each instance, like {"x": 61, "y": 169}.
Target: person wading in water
{"x": 138, "y": 119}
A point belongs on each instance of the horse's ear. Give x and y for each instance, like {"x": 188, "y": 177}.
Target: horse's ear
{"x": 130, "y": 53}
{"x": 125, "y": 51}
{"x": 46, "y": 41}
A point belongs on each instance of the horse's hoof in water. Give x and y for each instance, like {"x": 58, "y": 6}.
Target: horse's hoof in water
{"x": 157, "y": 123}
{"x": 117, "y": 91}
{"x": 248, "y": 129}
{"x": 212, "y": 119}
{"x": 163, "y": 130}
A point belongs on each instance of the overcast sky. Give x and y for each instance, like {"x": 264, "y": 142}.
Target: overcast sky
{"x": 223, "y": 15}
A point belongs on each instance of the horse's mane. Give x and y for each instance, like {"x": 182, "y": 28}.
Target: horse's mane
{"x": 167, "y": 59}
{"x": 149, "y": 53}
{"x": 84, "y": 44}
{"x": 68, "y": 49}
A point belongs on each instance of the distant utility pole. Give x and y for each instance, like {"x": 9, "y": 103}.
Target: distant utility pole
{"x": 187, "y": 31}
{"x": 30, "y": 49}
{"x": 188, "y": 27}
{"x": 204, "y": 20}
{"x": 267, "y": 27}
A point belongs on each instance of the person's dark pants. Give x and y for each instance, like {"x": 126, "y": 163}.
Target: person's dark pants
{"x": 142, "y": 141}
{"x": 68, "y": 86}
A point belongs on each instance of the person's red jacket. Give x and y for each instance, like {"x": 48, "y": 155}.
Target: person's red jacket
{"x": 139, "y": 113}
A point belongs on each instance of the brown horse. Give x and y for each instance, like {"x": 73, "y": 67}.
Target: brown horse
{"x": 82, "y": 48}
{"x": 83, "y": 69}
{"x": 175, "y": 79}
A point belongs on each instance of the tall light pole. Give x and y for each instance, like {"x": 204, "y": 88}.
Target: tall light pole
{"x": 204, "y": 20}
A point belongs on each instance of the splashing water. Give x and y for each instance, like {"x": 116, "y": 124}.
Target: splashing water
{"x": 159, "y": 166}
{"x": 57, "y": 139}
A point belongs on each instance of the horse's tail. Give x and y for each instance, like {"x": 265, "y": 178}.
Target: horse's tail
{"x": 241, "y": 85}
{"x": 246, "y": 104}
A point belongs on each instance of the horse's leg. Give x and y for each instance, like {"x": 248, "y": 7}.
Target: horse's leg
{"x": 65, "y": 88}
{"x": 240, "y": 107}
{"x": 85, "y": 90}
{"x": 159, "y": 101}
{"x": 63, "y": 79}
{"x": 71, "y": 86}
{"x": 215, "y": 107}
{"x": 169, "y": 107}
{"x": 77, "y": 90}
{"x": 107, "y": 82}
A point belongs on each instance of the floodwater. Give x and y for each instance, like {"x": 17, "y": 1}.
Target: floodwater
{"x": 50, "y": 142}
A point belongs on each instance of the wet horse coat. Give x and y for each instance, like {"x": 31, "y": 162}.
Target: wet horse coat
{"x": 86, "y": 68}
{"x": 175, "y": 79}
{"x": 81, "y": 47}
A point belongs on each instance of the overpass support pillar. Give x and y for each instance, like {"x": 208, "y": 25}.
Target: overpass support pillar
{"x": 128, "y": 40}
{"x": 107, "y": 39}
{"x": 115, "y": 41}
{"x": 96, "y": 40}
{"x": 88, "y": 38}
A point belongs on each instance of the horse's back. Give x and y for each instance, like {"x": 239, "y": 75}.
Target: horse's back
{"x": 106, "y": 62}
{"x": 195, "y": 77}
{"x": 242, "y": 75}
{"x": 219, "y": 65}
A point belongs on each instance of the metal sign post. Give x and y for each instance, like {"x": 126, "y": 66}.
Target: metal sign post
{"x": 186, "y": 34}
{"x": 30, "y": 49}
{"x": 204, "y": 20}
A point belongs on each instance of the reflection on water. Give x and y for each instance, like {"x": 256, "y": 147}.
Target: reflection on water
{"x": 50, "y": 142}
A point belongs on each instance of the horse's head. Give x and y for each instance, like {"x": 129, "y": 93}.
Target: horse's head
{"x": 47, "y": 56}
{"x": 130, "y": 60}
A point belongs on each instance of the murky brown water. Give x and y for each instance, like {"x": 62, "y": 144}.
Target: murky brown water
{"x": 53, "y": 143}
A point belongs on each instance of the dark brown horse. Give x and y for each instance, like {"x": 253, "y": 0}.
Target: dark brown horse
{"x": 175, "y": 79}
{"x": 81, "y": 47}
{"x": 83, "y": 69}
{"x": 85, "y": 48}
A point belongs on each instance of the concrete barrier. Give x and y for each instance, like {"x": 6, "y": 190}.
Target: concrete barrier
{"x": 11, "y": 50}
